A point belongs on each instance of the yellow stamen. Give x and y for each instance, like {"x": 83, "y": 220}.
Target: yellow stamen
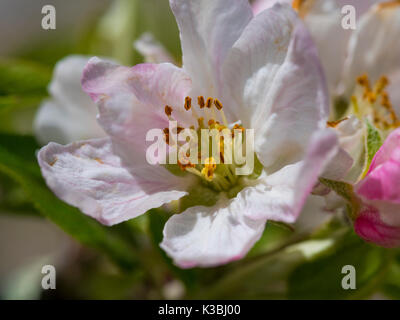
{"x": 209, "y": 169}
{"x": 200, "y": 121}
{"x": 381, "y": 84}
{"x": 375, "y": 102}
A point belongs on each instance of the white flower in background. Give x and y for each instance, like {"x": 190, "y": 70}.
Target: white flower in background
{"x": 372, "y": 49}
{"x": 152, "y": 50}
{"x": 260, "y": 71}
{"x": 362, "y": 66}
{"x": 69, "y": 114}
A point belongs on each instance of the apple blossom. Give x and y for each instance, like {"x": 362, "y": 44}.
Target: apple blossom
{"x": 239, "y": 71}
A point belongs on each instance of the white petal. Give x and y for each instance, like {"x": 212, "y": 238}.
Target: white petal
{"x": 276, "y": 85}
{"x": 283, "y": 193}
{"x": 313, "y": 215}
{"x": 54, "y": 122}
{"x": 210, "y": 236}
{"x": 88, "y": 175}
{"x": 208, "y": 30}
{"x": 66, "y": 87}
{"x": 351, "y": 139}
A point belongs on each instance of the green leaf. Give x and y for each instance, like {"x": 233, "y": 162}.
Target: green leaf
{"x": 16, "y": 161}
{"x": 373, "y": 141}
{"x": 322, "y": 277}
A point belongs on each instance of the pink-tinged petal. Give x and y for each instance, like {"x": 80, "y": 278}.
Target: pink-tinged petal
{"x": 132, "y": 101}
{"x": 69, "y": 115}
{"x": 88, "y": 175}
{"x": 208, "y": 29}
{"x": 283, "y": 194}
{"x": 211, "y": 236}
{"x": 374, "y": 47}
{"x": 276, "y": 85}
{"x": 370, "y": 227}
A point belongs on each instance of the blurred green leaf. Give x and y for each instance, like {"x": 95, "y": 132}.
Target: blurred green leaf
{"x": 158, "y": 218}
{"x": 305, "y": 268}
{"x": 23, "y": 85}
{"x": 127, "y": 20}
{"x": 16, "y": 160}
{"x": 322, "y": 277}
{"x": 19, "y": 77}
{"x": 260, "y": 277}
{"x": 391, "y": 285}
{"x": 274, "y": 235}
{"x": 11, "y": 102}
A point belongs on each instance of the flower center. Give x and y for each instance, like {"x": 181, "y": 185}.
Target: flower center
{"x": 210, "y": 144}
{"x": 374, "y": 102}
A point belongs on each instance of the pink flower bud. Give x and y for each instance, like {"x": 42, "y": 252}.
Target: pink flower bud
{"x": 379, "y": 221}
